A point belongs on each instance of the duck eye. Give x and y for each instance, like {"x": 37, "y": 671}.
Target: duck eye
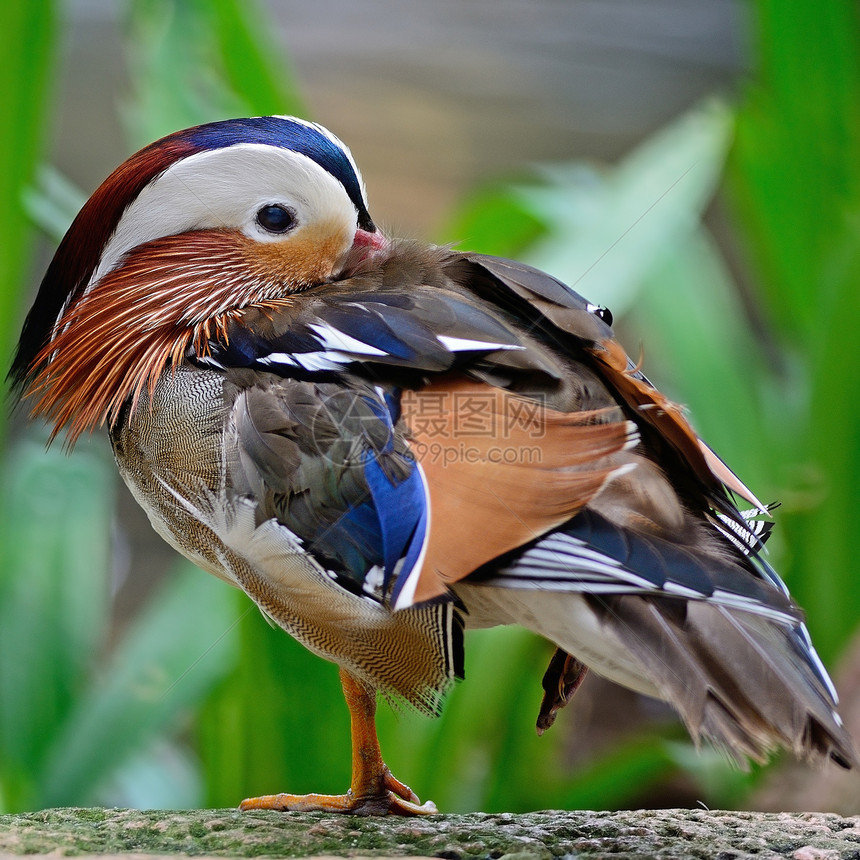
{"x": 276, "y": 219}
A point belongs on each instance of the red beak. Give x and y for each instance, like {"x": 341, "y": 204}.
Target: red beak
{"x": 371, "y": 241}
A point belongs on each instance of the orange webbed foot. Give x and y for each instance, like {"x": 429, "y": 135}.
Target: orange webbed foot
{"x": 374, "y": 791}
{"x": 394, "y": 798}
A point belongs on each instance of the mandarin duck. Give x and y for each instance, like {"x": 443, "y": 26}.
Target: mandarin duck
{"x": 383, "y": 442}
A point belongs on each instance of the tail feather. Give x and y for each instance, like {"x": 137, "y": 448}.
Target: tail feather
{"x": 740, "y": 679}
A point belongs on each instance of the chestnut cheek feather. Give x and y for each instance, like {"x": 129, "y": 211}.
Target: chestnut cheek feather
{"x": 308, "y": 256}
{"x": 100, "y": 357}
{"x": 169, "y": 295}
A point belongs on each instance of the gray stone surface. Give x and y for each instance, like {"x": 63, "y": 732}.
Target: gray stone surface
{"x": 672, "y": 833}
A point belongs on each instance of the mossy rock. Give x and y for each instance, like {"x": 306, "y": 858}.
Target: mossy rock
{"x": 534, "y": 836}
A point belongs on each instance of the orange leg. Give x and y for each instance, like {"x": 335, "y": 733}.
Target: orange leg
{"x": 374, "y": 791}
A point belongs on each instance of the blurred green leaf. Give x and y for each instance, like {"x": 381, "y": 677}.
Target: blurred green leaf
{"x": 795, "y": 181}
{"x": 53, "y": 202}
{"x": 723, "y": 784}
{"x": 278, "y": 722}
{"x": 163, "y": 775}
{"x": 495, "y": 221}
{"x": 619, "y": 775}
{"x": 608, "y": 227}
{"x": 697, "y": 346}
{"x": 179, "y": 646}
{"x": 54, "y": 585}
{"x": 794, "y": 172}
{"x": 254, "y": 63}
{"x": 27, "y": 40}
{"x": 196, "y": 61}
{"x": 824, "y": 575}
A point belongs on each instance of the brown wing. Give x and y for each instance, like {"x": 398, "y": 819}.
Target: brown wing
{"x": 502, "y": 470}
{"x": 667, "y": 418}
{"x": 560, "y": 312}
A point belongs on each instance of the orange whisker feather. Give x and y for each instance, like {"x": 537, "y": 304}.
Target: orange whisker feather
{"x": 120, "y": 335}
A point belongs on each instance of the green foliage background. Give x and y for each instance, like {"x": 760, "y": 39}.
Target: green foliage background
{"x": 198, "y": 701}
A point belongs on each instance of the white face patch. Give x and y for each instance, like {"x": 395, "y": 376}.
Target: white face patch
{"x": 225, "y": 188}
